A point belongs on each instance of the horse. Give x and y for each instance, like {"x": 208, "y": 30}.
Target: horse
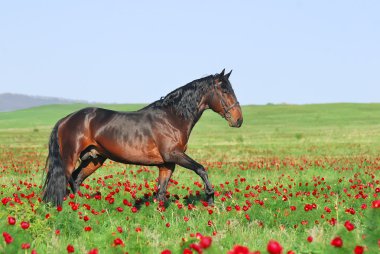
{"x": 155, "y": 135}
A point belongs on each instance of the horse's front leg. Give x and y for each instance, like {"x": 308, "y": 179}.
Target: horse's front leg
{"x": 185, "y": 161}
{"x": 165, "y": 172}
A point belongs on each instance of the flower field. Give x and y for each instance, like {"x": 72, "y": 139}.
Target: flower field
{"x": 293, "y": 179}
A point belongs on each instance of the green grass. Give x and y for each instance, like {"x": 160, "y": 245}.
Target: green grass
{"x": 275, "y": 130}
{"x": 324, "y": 154}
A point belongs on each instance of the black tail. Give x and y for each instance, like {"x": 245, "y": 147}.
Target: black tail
{"x": 54, "y": 189}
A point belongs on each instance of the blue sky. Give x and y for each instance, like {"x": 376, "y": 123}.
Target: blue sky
{"x": 137, "y": 51}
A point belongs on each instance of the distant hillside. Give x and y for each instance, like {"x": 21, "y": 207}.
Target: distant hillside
{"x": 11, "y": 102}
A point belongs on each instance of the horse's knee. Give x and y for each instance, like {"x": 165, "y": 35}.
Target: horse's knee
{"x": 92, "y": 154}
{"x": 201, "y": 172}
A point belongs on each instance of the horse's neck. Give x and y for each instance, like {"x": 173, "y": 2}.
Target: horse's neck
{"x": 190, "y": 123}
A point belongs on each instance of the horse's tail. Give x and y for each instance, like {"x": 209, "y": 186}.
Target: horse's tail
{"x": 54, "y": 189}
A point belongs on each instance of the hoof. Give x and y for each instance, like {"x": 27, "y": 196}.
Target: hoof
{"x": 210, "y": 198}
{"x": 98, "y": 193}
{"x": 160, "y": 198}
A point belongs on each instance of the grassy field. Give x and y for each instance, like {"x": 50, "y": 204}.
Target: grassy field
{"x": 301, "y": 175}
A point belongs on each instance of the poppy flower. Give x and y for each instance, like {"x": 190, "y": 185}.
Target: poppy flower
{"x": 349, "y": 226}
{"x": 7, "y": 238}
{"x": 239, "y": 249}
{"x": 25, "y": 246}
{"x": 196, "y": 247}
{"x": 359, "y": 249}
{"x": 93, "y": 251}
{"x": 274, "y": 247}
{"x": 25, "y": 225}
{"x": 337, "y": 242}
{"x": 11, "y": 220}
{"x": 118, "y": 241}
{"x": 376, "y": 204}
{"x": 70, "y": 248}
{"x": 205, "y": 242}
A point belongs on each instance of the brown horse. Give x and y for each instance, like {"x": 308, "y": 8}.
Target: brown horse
{"x": 156, "y": 135}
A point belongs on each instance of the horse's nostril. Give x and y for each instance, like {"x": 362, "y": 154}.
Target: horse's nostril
{"x": 239, "y": 122}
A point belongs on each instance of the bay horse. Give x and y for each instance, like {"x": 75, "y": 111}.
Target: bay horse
{"x": 155, "y": 135}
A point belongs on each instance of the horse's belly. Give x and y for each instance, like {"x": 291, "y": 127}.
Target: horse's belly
{"x": 144, "y": 157}
{"x": 135, "y": 154}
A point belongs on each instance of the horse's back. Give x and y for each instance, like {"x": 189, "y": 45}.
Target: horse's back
{"x": 138, "y": 137}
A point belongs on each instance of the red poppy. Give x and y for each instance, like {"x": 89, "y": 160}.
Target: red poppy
{"x": 274, "y": 247}
{"x": 359, "y": 249}
{"x": 238, "y": 249}
{"x": 205, "y": 242}
{"x": 337, "y": 242}
{"x": 70, "y": 248}
{"x": 196, "y": 247}
{"x": 118, "y": 241}
{"x": 93, "y": 251}
{"x": 7, "y": 238}
{"x": 376, "y": 204}
{"x": 25, "y": 225}
{"x": 25, "y": 246}
{"x": 349, "y": 226}
{"x": 11, "y": 220}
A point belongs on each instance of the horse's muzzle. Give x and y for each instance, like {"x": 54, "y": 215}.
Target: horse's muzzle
{"x": 237, "y": 123}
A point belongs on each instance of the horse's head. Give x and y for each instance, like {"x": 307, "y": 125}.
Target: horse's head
{"x": 222, "y": 100}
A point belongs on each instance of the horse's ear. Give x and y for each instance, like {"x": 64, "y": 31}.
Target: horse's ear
{"x": 222, "y": 73}
{"x": 228, "y": 75}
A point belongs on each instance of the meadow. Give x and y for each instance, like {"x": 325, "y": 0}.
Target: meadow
{"x": 292, "y": 179}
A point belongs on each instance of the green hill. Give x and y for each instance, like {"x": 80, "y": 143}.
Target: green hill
{"x": 271, "y": 130}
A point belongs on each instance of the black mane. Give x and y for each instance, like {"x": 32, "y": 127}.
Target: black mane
{"x": 185, "y": 99}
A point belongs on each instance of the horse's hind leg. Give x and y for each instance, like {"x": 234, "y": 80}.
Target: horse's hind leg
{"x": 85, "y": 169}
{"x": 165, "y": 172}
